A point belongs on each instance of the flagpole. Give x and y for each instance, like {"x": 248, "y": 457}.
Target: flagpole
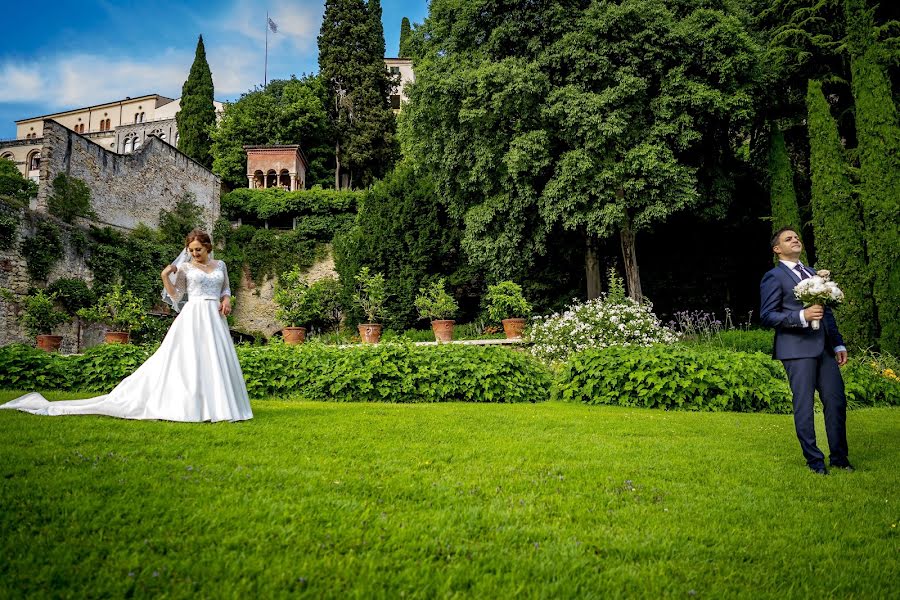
{"x": 266, "y": 67}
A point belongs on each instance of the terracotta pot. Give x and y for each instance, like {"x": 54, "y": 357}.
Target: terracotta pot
{"x": 116, "y": 337}
{"x": 49, "y": 343}
{"x": 369, "y": 333}
{"x": 513, "y": 328}
{"x": 443, "y": 330}
{"x": 294, "y": 335}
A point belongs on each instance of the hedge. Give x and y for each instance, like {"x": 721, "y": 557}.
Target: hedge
{"x": 670, "y": 377}
{"x": 676, "y": 377}
{"x": 383, "y": 373}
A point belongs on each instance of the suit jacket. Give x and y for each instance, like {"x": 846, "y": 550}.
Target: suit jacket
{"x": 779, "y": 308}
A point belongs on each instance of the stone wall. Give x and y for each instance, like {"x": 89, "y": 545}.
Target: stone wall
{"x": 127, "y": 189}
{"x": 15, "y": 278}
{"x": 254, "y": 307}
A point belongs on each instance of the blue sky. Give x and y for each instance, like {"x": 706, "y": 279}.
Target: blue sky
{"x": 92, "y": 51}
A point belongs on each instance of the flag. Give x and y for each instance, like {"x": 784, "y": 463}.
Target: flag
{"x": 272, "y": 25}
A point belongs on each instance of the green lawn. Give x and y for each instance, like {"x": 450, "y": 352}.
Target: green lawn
{"x": 489, "y": 501}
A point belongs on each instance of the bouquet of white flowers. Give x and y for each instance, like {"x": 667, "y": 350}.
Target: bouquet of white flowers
{"x": 818, "y": 290}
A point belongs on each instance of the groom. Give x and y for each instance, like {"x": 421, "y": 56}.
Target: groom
{"x": 811, "y": 357}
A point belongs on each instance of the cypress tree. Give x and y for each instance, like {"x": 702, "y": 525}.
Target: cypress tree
{"x": 837, "y": 221}
{"x": 351, "y": 59}
{"x": 404, "y": 38}
{"x": 785, "y": 211}
{"x": 197, "y": 113}
{"x": 878, "y": 137}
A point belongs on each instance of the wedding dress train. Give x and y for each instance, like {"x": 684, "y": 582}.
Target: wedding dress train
{"x": 193, "y": 376}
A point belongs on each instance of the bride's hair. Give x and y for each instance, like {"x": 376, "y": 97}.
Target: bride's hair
{"x": 198, "y": 235}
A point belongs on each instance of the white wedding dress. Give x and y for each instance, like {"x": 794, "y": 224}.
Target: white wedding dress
{"x": 194, "y": 376}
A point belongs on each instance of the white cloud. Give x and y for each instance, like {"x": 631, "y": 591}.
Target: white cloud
{"x": 298, "y": 23}
{"x": 234, "y": 49}
{"x": 19, "y": 83}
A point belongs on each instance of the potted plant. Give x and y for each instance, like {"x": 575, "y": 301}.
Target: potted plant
{"x": 436, "y": 305}
{"x": 370, "y": 295}
{"x": 505, "y": 303}
{"x": 291, "y": 296}
{"x": 120, "y": 310}
{"x": 39, "y": 316}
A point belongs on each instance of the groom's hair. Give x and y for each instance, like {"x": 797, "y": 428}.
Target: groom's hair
{"x": 776, "y": 237}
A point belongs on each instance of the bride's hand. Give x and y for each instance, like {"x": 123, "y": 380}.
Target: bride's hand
{"x": 225, "y": 307}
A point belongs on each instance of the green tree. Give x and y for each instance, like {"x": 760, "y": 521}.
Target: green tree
{"x": 783, "y": 197}
{"x": 14, "y": 187}
{"x": 71, "y": 198}
{"x": 291, "y": 111}
{"x": 180, "y": 220}
{"x": 404, "y": 38}
{"x": 878, "y": 137}
{"x": 837, "y": 221}
{"x": 403, "y": 232}
{"x": 591, "y": 118}
{"x": 351, "y": 60}
{"x": 197, "y": 114}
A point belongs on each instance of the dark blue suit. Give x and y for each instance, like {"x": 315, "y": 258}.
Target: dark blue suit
{"x": 808, "y": 358}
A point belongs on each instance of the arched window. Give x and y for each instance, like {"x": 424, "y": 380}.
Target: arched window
{"x": 128, "y": 144}
{"x": 7, "y": 156}
{"x": 162, "y": 136}
{"x": 142, "y": 117}
{"x": 34, "y": 161}
{"x": 137, "y": 142}
{"x": 136, "y": 115}
{"x": 176, "y": 138}
{"x": 258, "y": 179}
{"x": 108, "y": 124}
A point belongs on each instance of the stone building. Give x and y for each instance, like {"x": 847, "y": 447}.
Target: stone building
{"x": 402, "y": 69}
{"x": 121, "y": 126}
{"x": 276, "y": 166}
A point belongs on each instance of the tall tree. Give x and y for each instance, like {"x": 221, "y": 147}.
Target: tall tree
{"x": 584, "y": 116}
{"x": 351, "y": 60}
{"x": 197, "y": 114}
{"x": 837, "y": 221}
{"x": 782, "y": 195}
{"x": 878, "y": 137}
{"x": 404, "y": 38}
{"x": 291, "y": 111}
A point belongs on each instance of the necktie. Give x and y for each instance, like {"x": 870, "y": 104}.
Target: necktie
{"x": 801, "y": 272}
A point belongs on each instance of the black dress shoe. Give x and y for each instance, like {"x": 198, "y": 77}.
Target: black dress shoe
{"x": 819, "y": 470}
{"x": 845, "y": 467}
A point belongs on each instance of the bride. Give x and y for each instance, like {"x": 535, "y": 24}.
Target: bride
{"x": 195, "y": 374}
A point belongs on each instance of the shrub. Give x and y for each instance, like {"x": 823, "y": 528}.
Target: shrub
{"x": 39, "y": 313}
{"x": 9, "y": 227}
{"x": 25, "y": 368}
{"x": 370, "y": 293}
{"x": 104, "y": 366}
{"x": 325, "y": 298}
{"x": 120, "y": 309}
{"x": 872, "y": 380}
{"x": 394, "y": 373}
{"x": 42, "y": 250}
{"x": 676, "y": 377}
{"x": 610, "y": 320}
{"x": 175, "y": 224}
{"x": 290, "y": 293}
{"x": 72, "y": 293}
{"x": 69, "y": 199}
{"x": 433, "y": 302}
{"x": 505, "y": 301}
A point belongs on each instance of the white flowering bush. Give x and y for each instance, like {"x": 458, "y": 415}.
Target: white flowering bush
{"x": 610, "y": 320}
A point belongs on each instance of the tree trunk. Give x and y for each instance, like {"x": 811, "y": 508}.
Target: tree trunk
{"x": 337, "y": 166}
{"x": 629, "y": 258}
{"x": 592, "y": 268}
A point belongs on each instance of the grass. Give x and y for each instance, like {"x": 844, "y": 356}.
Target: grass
{"x": 489, "y": 501}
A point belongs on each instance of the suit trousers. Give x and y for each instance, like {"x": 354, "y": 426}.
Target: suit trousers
{"x": 821, "y": 373}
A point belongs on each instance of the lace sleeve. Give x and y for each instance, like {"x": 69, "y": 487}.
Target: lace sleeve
{"x": 179, "y": 280}
{"x": 226, "y": 285}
